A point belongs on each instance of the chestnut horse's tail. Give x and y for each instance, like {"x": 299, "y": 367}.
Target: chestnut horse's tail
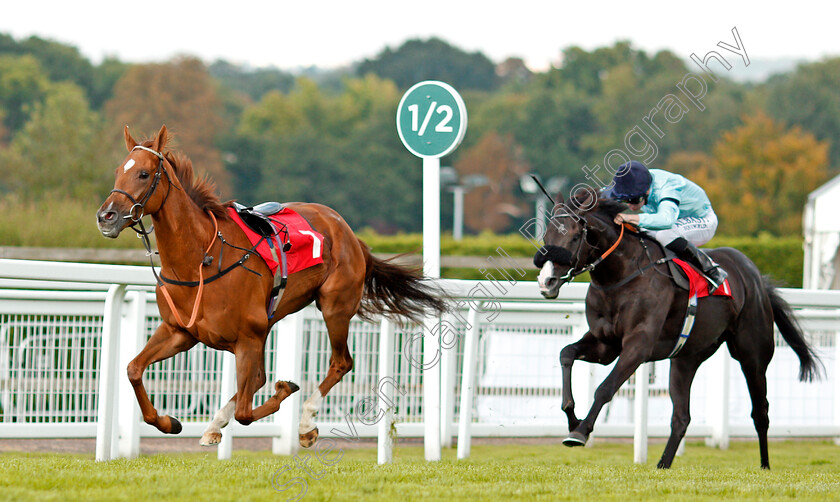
{"x": 395, "y": 290}
{"x": 810, "y": 367}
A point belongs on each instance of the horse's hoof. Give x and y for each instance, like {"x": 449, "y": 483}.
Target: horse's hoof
{"x": 174, "y": 426}
{"x": 308, "y": 439}
{"x": 575, "y": 439}
{"x": 210, "y": 439}
{"x": 293, "y": 387}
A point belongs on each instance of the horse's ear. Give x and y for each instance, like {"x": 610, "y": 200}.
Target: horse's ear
{"x": 160, "y": 140}
{"x": 129, "y": 141}
{"x": 590, "y": 200}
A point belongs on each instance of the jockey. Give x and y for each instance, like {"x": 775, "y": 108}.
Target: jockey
{"x": 674, "y": 211}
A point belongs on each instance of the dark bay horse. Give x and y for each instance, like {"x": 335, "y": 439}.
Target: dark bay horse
{"x": 230, "y": 313}
{"x": 637, "y": 317}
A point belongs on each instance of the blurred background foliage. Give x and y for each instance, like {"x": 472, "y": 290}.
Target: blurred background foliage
{"x": 329, "y": 136}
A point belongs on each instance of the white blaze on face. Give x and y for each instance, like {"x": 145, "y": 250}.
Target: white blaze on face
{"x": 545, "y": 272}
{"x": 128, "y": 165}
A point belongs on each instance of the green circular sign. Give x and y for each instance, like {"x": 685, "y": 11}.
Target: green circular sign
{"x": 431, "y": 119}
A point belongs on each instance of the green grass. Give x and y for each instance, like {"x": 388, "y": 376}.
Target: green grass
{"x": 801, "y": 470}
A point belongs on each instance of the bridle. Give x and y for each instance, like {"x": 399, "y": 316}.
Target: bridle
{"x": 138, "y": 226}
{"x": 141, "y": 204}
{"x": 137, "y": 221}
{"x": 574, "y": 271}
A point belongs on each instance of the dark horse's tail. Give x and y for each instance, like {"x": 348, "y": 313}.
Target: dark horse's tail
{"x": 396, "y": 290}
{"x": 810, "y": 367}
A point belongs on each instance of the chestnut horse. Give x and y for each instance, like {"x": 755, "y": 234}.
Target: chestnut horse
{"x": 635, "y": 313}
{"x": 230, "y": 312}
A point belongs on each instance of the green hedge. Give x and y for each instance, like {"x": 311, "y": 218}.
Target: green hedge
{"x": 67, "y": 224}
{"x": 779, "y": 257}
{"x": 484, "y": 244}
{"x": 55, "y": 223}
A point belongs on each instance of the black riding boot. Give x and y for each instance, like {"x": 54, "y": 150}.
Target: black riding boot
{"x": 697, "y": 257}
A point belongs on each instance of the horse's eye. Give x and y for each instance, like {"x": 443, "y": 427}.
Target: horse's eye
{"x": 144, "y": 175}
{"x": 576, "y": 237}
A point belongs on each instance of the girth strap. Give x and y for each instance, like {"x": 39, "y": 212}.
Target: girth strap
{"x": 690, "y": 314}
{"x": 280, "y": 277}
{"x": 210, "y": 279}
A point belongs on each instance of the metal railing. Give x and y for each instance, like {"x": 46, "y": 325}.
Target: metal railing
{"x": 67, "y": 331}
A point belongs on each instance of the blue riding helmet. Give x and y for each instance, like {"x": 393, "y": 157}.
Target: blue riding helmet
{"x": 632, "y": 181}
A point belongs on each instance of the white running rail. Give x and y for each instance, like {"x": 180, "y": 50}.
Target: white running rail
{"x": 68, "y": 330}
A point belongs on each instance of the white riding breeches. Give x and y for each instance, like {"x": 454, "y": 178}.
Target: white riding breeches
{"x": 697, "y": 231}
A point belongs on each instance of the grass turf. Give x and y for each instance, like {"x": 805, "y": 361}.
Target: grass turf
{"x": 801, "y": 470}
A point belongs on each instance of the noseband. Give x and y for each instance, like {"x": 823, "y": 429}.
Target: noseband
{"x": 141, "y": 205}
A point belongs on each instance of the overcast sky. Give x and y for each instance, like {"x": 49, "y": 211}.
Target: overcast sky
{"x": 335, "y": 33}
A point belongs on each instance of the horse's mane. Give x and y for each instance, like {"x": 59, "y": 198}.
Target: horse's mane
{"x": 610, "y": 207}
{"x": 201, "y": 190}
{"x": 606, "y": 207}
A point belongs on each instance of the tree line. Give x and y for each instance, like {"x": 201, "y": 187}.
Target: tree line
{"x": 330, "y": 137}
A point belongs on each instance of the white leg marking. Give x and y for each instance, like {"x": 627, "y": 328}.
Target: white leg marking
{"x": 310, "y": 409}
{"x": 220, "y": 420}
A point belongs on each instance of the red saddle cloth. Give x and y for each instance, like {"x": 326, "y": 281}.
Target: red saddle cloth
{"x": 306, "y": 243}
{"x": 698, "y": 285}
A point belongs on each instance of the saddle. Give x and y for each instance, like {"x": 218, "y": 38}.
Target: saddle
{"x": 677, "y": 272}
{"x": 688, "y": 278}
{"x": 685, "y": 275}
{"x": 256, "y": 217}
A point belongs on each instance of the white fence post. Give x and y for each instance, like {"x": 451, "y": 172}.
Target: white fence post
{"x": 468, "y": 383}
{"x": 132, "y": 339}
{"x": 287, "y": 366}
{"x": 837, "y": 385}
{"x": 385, "y": 391}
{"x": 431, "y": 389}
{"x": 227, "y": 390}
{"x": 108, "y": 351}
{"x": 717, "y": 398}
{"x": 640, "y": 414}
{"x": 448, "y": 365}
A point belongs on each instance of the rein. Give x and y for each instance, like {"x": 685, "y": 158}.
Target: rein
{"x": 639, "y": 271}
{"x": 162, "y": 281}
{"x": 200, "y": 284}
{"x": 572, "y": 273}
{"x": 691, "y": 310}
{"x": 629, "y": 278}
{"x": 143, "y": 234}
